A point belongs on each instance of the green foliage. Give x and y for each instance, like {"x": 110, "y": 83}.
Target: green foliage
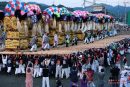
{"x": 2, "y": 5}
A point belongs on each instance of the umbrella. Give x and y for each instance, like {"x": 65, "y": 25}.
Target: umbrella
{"x": 32, "y": 7}
{"x": 79, "y": 13}
{"x": 63, "y": 10}
{"x": 14, "y": 5}
{"x": 52, "y": 10}
{"x": 30, "y": 13}
{"x": 108, "y": 16}
{"x": 100, "y": 15}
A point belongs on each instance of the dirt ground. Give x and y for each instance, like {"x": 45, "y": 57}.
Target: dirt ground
{"x": 80, "y": 47}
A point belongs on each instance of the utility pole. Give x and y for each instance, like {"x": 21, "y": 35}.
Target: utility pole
{"x": 84, "y": 4}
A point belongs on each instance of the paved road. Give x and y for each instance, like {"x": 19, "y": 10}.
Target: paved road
{"x": 13, "y": 81}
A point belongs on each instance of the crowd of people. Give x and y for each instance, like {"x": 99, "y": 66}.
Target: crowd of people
{"x": 122, "y": 27}
{"x": 78, "y": 66}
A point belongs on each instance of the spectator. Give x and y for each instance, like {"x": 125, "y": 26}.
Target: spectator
{"x": 65, "y": 67}
{"x": 83, "y": 82}
{"x": 124, "y": 77}
{"x": 29, "y": 78}
{"x": 115, "y": 75}
{"x": 74, "y": 77}
{"x": 58, "y": 82}
{"x": 36, "y": 69}
{"x": 90, "y": 74}
{"x": 58, "y": 69}
{"x": 101, "y": 78}
{"x": 45, "y": 79}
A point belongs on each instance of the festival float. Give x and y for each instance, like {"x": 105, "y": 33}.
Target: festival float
{"x": 15, "y": 38}
{"x": 18, "y": 30}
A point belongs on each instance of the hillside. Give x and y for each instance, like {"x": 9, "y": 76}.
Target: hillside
{"x": 120, "y": 10}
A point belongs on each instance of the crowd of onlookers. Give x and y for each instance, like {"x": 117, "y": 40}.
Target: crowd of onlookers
{"x": 122, "y": 27}
{"x": 78, "y": 66}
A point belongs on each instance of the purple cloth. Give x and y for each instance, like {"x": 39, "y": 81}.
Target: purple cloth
{"x": 73, "y": 84}
{"x": 83, "y": 83}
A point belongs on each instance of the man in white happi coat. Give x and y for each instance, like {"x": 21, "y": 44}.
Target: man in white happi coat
{"x": 124, "y": 77}
{"x": 58, "y": 69}
{"x": 36, "y": 69}
{"x": 33, "y": 44}
{"x": 45, "y": 42}
{"x": 55, "y": 40}
{"x": 21, "y": 67}
{"x": 4, "y": 60}
{"x": 16, "y": 67}
{"x": 41, "y": 68}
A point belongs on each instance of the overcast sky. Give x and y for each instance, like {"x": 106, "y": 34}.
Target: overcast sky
{"x": 77, "y": 3}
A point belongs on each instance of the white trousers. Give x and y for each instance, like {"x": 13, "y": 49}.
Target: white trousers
{"x": 83, "y": 70}
{"x": 123, "y": 81}
{"x": 40, "y": 72}
{"x": 91, "y": 39}
{"x": 4, "y": 65}
{"x": 98, "y": 37}
{"x": 68, "y": 71}
{"x": 108, "y": 61}
{"x": 58, "y": 71}
{"x": 16, "y": 71}
{"x": 128, "y": 84}
{"x": 47, "y": 46}
{"x": 21, "y": 70}
{"x": 9, "y": 69}
{"x": 128, "y": 49}
{"x": 118, "y": 65}
{"x": 45, "y": 82}
{"x": 36, "y": 72}
{"x": 34, "y": 48}
{"x": 94, "y": 67}
{"x": 86, "y": 40}
{"x": 0, "y": 67}
{"x": 65, "y": 70}
{"x": 122, "y": 52}
{"x": 56, "y": 43}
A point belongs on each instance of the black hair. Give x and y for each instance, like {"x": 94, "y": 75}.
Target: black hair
{"x": 18, "y": 14}
{"x": 84, "y": 19}
{"x": 39, "y": 16}
{"x": 30, "y": 65}
{"x": 34, "y": 11}
{"x": 84, "y": 77}
{"x": 28, "y": 70}
{"x": 102, "y": 70}
{"x": 2, "y": 15}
